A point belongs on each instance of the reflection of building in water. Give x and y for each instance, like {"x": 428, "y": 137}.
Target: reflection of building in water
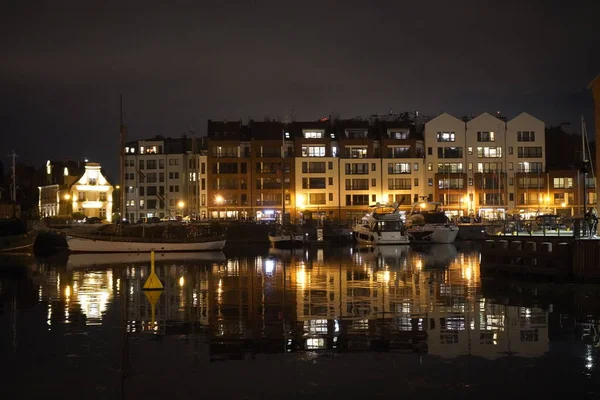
{"x": 301, "y": 302}
{"x": 93, "y": 291}
{"x": 71, "y": 292}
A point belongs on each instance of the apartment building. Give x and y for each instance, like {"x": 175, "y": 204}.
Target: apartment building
{"x": 165, "y": 178}
{"x": 485, "y": 165}
{"x": 330, "y": 169}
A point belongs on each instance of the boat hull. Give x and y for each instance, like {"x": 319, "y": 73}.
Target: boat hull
{"x": 366, "y": 237}
{"x": 85, "y": 245}
{"x": 18, "y": 243}
{"x": 442, "y": 235}
{"x": 286, "y": 241}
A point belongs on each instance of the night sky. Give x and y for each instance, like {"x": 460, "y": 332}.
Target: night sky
{"x": 64, "y": 64}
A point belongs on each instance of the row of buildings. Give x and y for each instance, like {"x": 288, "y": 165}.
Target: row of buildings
{"x": 485, "y": 166}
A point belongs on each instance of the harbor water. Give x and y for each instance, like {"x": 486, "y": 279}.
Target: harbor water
{"x": 257, "y": 323}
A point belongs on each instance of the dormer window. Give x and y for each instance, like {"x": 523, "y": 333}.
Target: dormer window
{"x": 151, "y": 150}
{"x": 141, "y": 149}
{"x": 313, "y": 135}
{"x": 91, "y": 181}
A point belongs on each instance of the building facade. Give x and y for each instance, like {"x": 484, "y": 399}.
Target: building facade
{"x": 74, "y": 187}
{"x": 165, "y": 178}
{"x": 485, "y": 166}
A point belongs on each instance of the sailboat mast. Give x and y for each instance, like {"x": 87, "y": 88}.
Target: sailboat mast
{"x": 122, "y": 164}
{"x": 13, "y": 191}
{"x": 282, "y": 176}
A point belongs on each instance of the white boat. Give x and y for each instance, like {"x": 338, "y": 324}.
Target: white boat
{"x": 383, "y": 225}
{"x": 285, "y": 237}
{"x": 80, "y": 243}
{"x": 427, "y": 223}
{"x": 90, "y": 260}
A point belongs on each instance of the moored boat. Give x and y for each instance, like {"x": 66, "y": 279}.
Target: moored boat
{"x": 18, "y": 243}
{"x": 427, "y": 223}
{"x": 118, "y": 244}
{"x": 382, "y": 226}
{"x": 285, "y": 237}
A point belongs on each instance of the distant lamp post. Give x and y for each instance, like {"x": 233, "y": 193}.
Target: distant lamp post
{"x": 67, "y": 196}
{"x": 181, "y": 204}
{"x": 219, "y": 200}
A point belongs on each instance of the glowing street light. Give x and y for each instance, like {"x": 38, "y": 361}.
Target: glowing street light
{"x": 219, "y": 200}
{"x": 181, "y": 204}
{"x": 67, "y": 196}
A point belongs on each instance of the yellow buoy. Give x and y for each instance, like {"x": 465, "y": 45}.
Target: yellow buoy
{"x": 152, "y": 283}
{"x": 152, "y": 296}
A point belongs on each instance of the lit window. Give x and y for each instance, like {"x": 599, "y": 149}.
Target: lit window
{"x": 313, "y": 135}
{"x": 66, "y": 171}
{"x": 126, "y": 149}
{"x": 287, "y": 135}
{"x": 142, "y": 150}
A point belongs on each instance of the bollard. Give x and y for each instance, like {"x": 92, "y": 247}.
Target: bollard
{"x": 502, "y": 245}
{"x": 561, "y": 258}
{"x": 516, "y": 245}
{"x": 531, "y": 247}
{"x": 546, "y": 247}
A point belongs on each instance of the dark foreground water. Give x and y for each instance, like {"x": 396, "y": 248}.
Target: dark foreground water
{"x": 323, "y": 323}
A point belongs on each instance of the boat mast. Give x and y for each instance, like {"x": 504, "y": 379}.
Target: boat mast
{"x": 122, "y": 200}
{"x": 13, "y": 188}
{"x": 584, "y": 166}
{"x": 282, "y": 176}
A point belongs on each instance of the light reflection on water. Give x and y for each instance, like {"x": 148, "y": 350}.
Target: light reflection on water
{"x": 427, "y": 300}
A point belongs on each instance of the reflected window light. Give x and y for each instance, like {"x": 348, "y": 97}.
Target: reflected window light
{"x": 269, "y": 267}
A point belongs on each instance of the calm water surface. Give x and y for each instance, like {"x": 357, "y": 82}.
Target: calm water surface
{"x": 324, "y": 323}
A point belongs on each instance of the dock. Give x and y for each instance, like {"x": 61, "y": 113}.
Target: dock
{"x": 551, "y": 257}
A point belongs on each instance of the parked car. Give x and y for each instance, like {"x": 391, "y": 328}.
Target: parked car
{"x": 93, "y": 220}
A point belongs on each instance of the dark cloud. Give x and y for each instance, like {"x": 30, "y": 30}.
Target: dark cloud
{"x": 65, "y": 64}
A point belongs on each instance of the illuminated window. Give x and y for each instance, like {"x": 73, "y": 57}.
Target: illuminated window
{"x": 399, "y": 168}
{"x": 485, "y": 137}
{"x": 66, "y": 172}
{"x": 446, "y": 136}
{"x": 489, "y": 152}
{"x": 142, "y": 150}
{"x": 313, "y": 151}
{"x": 313, "y": 135}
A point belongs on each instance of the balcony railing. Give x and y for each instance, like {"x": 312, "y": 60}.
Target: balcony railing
{"x": 399, "y": 187}
{"x": 313, "y": 170}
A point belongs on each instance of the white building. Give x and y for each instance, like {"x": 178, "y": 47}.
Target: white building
{"x": 71, "y": 188}
{"x": 165, "y": 178}
{"x": 473, "y": 167}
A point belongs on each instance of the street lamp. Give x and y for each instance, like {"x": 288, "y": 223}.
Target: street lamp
{"x": 181, "y": 204}
{"x": 219, "y": 200}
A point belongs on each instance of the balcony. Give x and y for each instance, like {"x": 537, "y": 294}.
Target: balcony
{"x": 399, "y": 187}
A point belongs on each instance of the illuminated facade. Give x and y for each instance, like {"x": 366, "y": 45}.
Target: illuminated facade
{"x": 73, "y": 187}
{"x": 484, "y": 166}
{"x": 165, "y": 178}
{"x": 474, "y": 166}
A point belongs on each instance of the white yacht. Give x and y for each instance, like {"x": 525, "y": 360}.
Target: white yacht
{"x": 427, "y": 223}
{"x": 383, "y": 225}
